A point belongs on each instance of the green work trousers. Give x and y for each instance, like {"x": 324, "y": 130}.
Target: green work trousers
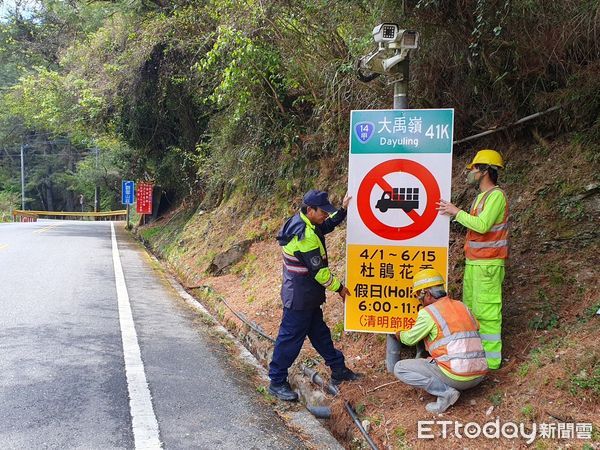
{"x": 482, "y": 294}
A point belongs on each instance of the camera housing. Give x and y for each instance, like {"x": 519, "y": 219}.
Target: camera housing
{"x": 385, "y": 32}
{"x": 393, "y": 47}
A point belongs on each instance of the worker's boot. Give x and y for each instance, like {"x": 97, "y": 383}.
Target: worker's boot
{"x": 444, "y": 401}
{"x": 283, "y": 392}
{"x": 338, "y": 376}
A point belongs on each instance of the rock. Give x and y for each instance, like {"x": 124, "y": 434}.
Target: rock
{"x": 472, "y": 402}
{"x": 225, "y": 260}
{"x": 366, "y": 425}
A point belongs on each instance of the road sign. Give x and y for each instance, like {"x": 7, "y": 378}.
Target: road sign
{"x": 144, "y": 198}
{"x": 127, "y": 192}
{"x": 400, "y": 166}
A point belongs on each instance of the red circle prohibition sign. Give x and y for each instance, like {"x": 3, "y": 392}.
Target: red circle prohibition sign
{"x": 375, "y": 177}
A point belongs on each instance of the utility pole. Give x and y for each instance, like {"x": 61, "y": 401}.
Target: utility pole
{"x": 96, "y": 187}
{"x": 22, "y": 178}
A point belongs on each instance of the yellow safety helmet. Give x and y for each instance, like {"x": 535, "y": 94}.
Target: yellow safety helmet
{"x": 487, "y": 156}
{"x": 427, "y": 278}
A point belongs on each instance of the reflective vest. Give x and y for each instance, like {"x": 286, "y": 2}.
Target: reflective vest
{"x": 457, "y": 346}
{"x": 494, "y": 243}
{"x": 306, "y": 274}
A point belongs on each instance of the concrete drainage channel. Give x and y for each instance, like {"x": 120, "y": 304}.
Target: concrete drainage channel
{"x": 316, "y": 435}
{"x": 319, "y": 436}
{"x": 312, "y": 399}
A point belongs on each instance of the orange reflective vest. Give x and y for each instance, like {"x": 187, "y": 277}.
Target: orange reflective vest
{"x": 457, "y": 346}
{"x": 494, "y": 243}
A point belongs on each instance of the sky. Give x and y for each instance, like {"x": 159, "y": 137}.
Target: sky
{"x": 7, "y": 6}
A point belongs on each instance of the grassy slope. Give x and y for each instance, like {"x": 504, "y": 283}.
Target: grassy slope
{"x": 550, "y": 330}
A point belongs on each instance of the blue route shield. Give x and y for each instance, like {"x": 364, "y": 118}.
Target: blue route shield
{"x": 364, "y": 131}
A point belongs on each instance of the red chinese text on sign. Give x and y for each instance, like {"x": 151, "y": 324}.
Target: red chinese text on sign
{"x": 144, "y": 198}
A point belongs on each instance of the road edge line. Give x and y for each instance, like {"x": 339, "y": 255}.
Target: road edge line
{"x": 143, "y": 420}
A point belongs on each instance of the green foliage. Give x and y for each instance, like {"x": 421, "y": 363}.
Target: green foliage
{"x": 337, "y": 331}
{"x": 523, "y": 370}
{"x": 590, "y": 312}
{"x": 149, "y": 233}
{"x": 360, "y": 408}
{"x": 266, "y": 395}
{"x": 400, "y": 435}
{"x": 528, "y": 411}
{"x": 496, "y": 398}
{"x": 571, "y": 209}
{"x": 546, "y": 317}
{"x": 588, "y": 380}
{"x": 8, "y": 202}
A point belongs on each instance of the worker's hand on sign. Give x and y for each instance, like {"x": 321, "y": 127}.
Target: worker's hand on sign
{"x": 346, "y": 201}
{"x": 344, "y": 292}
{"x": 447, "y": 208}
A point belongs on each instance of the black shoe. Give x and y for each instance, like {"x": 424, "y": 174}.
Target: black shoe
{"x": 338, "y": 376}
{"x": 283, "y": 392}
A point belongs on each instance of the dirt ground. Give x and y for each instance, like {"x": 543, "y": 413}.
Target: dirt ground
{"x": 551, "y": 369}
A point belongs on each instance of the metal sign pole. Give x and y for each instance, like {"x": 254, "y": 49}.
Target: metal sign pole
{"x": 391, "y": 58}
{"x": 22, "y": 180}
{"x": 392, "y": 344}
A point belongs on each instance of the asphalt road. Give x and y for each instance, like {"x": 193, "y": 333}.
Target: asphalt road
{"x": 66, "y": 380}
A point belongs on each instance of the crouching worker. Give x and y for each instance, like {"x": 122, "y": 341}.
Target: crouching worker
{"x": 306, "y": 275}
{"x": 451, "y": 336}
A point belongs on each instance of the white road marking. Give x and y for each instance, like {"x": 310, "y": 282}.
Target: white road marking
{"x": 145, "y": 425}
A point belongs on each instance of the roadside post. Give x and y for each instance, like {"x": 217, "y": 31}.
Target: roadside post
{"x": 399, "y": 167}
{"x": 127, "y": 196}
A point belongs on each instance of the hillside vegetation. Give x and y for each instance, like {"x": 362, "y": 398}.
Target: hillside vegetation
{"x": 235, "y": 108}
{"x": 187, "y": 93}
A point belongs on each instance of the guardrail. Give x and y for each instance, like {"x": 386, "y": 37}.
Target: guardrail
{"x": 32, "y": 216}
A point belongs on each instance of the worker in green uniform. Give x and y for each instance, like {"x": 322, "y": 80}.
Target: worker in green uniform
{"x": 451, "y": 337}
{"x": 486, "y": 249}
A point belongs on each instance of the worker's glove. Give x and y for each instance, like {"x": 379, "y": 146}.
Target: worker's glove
{"x": 343, "y": 291}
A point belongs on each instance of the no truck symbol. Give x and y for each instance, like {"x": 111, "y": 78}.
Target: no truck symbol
{"x": 406, "y": 199}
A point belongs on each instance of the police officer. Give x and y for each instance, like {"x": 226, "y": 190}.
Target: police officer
{"x": 306, "y": 275}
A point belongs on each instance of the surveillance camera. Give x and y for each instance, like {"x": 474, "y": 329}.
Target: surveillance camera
{"x": 393, "y": 48}
{"x": 385, "y": 32}
{"x": 409, "y": 39}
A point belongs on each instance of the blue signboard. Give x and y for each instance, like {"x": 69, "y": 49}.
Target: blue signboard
{"x": 127, "y": 192}
{"x": 402, "y": 131}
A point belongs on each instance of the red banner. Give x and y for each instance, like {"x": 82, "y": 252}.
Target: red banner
{"x": 144, "y": 198}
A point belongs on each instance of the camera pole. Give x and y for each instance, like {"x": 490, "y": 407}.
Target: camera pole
{"x": 401, "y": 87}
{"x": 392, "y": 344}
{"x": 391, "y": 58}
